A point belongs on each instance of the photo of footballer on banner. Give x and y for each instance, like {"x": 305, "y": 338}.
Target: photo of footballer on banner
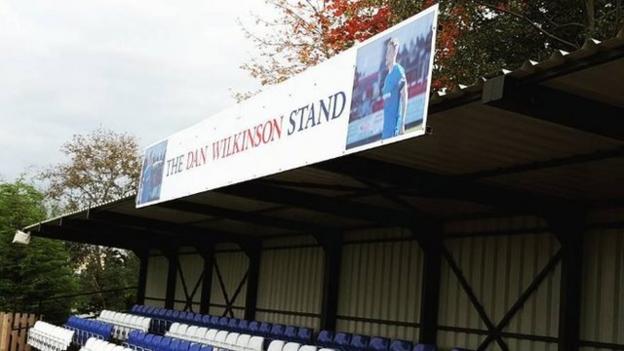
{"x": 152, "y": 173}
{"x": 391, "y": 83}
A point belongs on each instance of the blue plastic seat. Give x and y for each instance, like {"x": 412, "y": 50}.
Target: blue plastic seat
{"x": 183, "y": 346}
{"x": 264, "y": 329}
{"x": 243, "y": 326}
{"x": 155, "y": 342}
{"x": 401, "y": 345}
{"x": 233, "y": 324}
{"x": 164, "y": 343}
{"x": 424, "y": 347}
{"x": 223, "y": 322}
{"x": 342, "y": 341}
{"x": 205, "y": 321}
{"x": 277, "y": 331}
{"x": 173, "y": 346}
{"x": 134, "y": 309}
{"x": 198, "y": 319}
{"x": 290, "y": 333}
{"x": 358, "y": 342}
{"x": 378, "y": 343}
{"x": 147, "y": 342}
{"x": 214, "y": 321}
{"x": 304, "y": 335}
{"x": 253, "y": 327}
{"x": 325, "y": 338}
{"x": 206, "y": 348}
{"x": 195, "y": 347}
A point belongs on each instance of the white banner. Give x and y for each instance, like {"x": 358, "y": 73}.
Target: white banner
{"x": 367, "y": 96}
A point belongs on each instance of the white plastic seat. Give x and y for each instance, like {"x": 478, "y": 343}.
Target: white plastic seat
{"x": 255, "y": 343}
{"x": 190, "y": 332}
{"x": 181, "y": 333}
{"x": 219, "y": 340}
{"x": 276, "y": 345}
{"x": 200, "y": 334}
{"x": 242, "y": 342}
{"x": 326, "y": 349}
{"x": 308, "y": 348}
{"x": 173, "y": 329}
{"x": 291, "y": 346}
{"x": 230, "y": 341}
{"x": 211, "y": 335}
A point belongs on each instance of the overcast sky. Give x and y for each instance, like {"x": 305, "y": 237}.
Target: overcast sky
{"x": 146, "y": 67}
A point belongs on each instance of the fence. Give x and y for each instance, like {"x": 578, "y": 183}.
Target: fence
{"x": 14, "y": 330}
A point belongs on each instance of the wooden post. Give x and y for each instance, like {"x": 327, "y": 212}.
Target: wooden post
{"x": 5, "y": 327}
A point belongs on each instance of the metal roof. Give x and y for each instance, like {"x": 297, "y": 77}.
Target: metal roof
{"x": 545, "y": 135}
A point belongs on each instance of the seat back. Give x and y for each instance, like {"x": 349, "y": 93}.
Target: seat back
{"x": 211, "y": 334}
{"x": 424, "y": 347}
{"x": 291, "y": 346}
{"x": 401, "y": 345}
{"x": 277, "y": 331}
{"x": 326, "y": 338}
{"x": 304, "y": 335}
{"x": 276, "y": 345}
{"x": 256, "y": 343}
{"x": 290, "y": 332}
{"x": 243, "y": 341}
{"x": 359, "y": 342}
{"x": 308, "y": 348}
{"x": 231, "y": 338}
{"x": 264, "y": 329}
{"x": 342, "y": 340}
{"x": 378, "y": 343}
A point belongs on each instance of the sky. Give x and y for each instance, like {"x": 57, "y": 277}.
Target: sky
{"x": 145, "y": 67}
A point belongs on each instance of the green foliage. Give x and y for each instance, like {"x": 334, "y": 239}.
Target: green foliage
{"x": 114, "y": 269}
{"x": 488, "y": 35}
{"x": 29, "y": 274}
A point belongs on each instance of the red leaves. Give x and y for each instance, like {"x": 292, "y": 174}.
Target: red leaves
{"x": 354, "y": 20}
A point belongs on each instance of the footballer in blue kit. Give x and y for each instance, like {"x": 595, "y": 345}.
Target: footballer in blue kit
{"x": 394, "y": 93}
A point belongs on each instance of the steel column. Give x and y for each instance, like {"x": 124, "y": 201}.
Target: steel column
{"x": 254, "y": 252}
{"x": 172, "y": 277}
{"x": 143, "y": 256}
{"x": 332, "y": 245}
{"x": 569, "y": 230}
{"x": 207, "y": 254}
{"x": 430, "y": 293}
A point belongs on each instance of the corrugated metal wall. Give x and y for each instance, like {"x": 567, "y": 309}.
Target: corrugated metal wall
{"x": 233, "y": 266}
{"x": 291, "y": 280}
{"x": 156, "y": 285}
{"x": 499, "y": 269}
{"x": 191, "y": 266}
{"x": 602, "y": 315}
{"x": 380, "y": 281}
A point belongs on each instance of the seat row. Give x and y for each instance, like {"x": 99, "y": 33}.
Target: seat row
{"x": 49, "y": 337}
{"x": 355, "y": 342}
{"x": 164, "y": 318}
{"x": 221, "y": 339}
{"x": 94, "y": 344}
{"x": 141, "y": 341}
{"x": 123, "y": 323}
{"x": 88, "y": 328}
{"x": 340, "y": 341}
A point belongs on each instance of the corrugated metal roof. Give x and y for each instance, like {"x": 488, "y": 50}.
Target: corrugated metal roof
{"x": 468, "y": 138}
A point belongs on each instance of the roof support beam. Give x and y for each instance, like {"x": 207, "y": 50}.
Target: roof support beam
{"x": 554, "y": 106}
{"x": 318, "y": 203}
{"x": 87, "y": 237}
{"x": 422, "y": 183}
{"x": 248, "y": 217}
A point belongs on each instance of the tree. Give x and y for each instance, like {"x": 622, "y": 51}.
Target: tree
{"x": 29, "y": 274}
{"x": 489, "y": 34}
{"x": 103, "y": 166}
